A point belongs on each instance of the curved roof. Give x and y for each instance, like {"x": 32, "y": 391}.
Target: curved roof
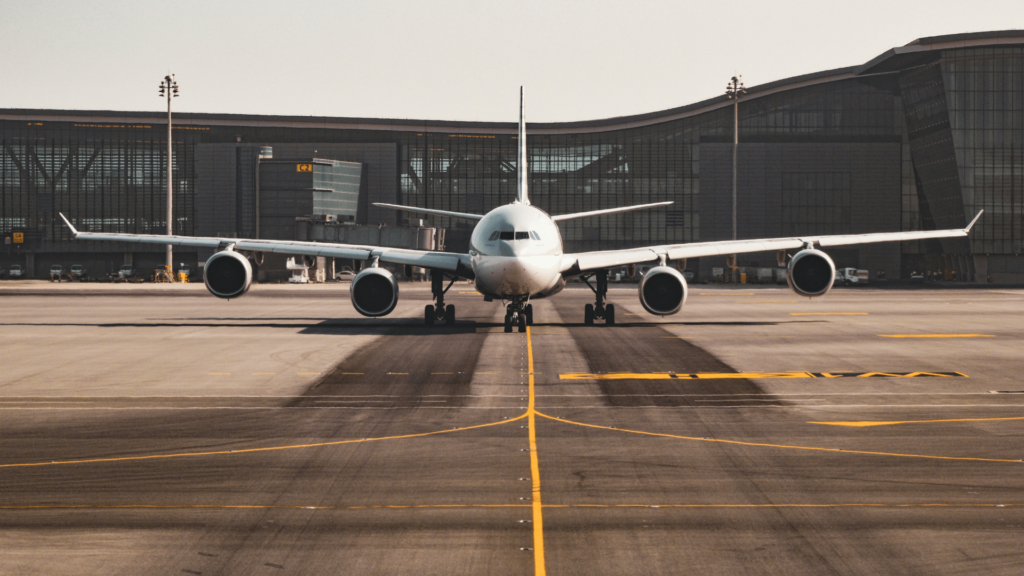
{"x": 915, "y": 53}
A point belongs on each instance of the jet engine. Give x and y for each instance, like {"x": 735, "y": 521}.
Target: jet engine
{"x": 811, "y": 273}
{"x": 662, "y": 290}
{"x": 227, "y": 274}
{"x": 374, "y": 292}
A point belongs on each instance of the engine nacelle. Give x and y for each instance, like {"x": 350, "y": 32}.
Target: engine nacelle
{"x": 374, "y": 292}
{"x": 663, "y": 291}
{"x": 227, "y": 274}
{"x": 811, "y": 273}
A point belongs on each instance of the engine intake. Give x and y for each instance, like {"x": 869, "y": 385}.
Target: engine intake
{"x": 227, "y": 274}
{"x": 811, "y": 273}
{"x": 663, "y": 291}
{"x": 374, "y": 292}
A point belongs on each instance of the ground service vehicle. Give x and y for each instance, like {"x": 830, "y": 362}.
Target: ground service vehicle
{"x": 849, "y": 276}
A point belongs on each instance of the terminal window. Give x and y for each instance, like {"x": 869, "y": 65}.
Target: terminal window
{"x": 815, "y": 203}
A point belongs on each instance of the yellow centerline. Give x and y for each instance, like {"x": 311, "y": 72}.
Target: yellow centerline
{"x": 538, "y": 517}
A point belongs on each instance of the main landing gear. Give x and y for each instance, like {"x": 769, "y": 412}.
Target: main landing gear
{"x": 599, "y": 310}
{"x": 438, "y": 312}
{"x": 518, "y": 313}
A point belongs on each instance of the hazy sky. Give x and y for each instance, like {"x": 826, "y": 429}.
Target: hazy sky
{"x": 449, "y": 60}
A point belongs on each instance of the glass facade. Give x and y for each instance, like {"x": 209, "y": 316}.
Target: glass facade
{"x": 918, "y": 139}
{"x": 111, "y": 177}
{"x": 985, "y": 95}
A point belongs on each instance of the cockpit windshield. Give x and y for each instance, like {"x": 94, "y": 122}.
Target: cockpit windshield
{"x": 513, "y": 235}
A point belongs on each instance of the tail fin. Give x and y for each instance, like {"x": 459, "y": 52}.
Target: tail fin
{"x": 521, "y": 194}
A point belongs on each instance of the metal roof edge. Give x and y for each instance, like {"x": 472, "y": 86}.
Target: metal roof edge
{"x": 922, "y": 45}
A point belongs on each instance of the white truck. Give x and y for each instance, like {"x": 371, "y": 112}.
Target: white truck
{"x": 848, "y": 276}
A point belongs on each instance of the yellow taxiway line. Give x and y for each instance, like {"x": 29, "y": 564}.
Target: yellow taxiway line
{"x": 264, "y": 449}
{"x": 538, "y": 516}
{"x": 868, "y": 423}
{"x": 784, "y": 446}
{"x": 437, "y": 506}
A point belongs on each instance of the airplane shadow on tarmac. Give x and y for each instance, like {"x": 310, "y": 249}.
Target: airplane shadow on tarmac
{"x": 403, "y": 326}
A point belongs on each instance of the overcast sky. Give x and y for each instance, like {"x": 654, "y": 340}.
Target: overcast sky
{"x": 447, "y": 60}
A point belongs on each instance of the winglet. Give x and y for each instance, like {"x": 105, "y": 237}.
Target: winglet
{"x": 72, "y": 228}
{"x": 971, "y": 225}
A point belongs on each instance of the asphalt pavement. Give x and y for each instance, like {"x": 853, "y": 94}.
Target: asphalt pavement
{"x": 159, "y": 430}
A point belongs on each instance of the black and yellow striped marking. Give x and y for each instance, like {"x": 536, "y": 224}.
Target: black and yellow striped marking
{"x": 745, "y": 375}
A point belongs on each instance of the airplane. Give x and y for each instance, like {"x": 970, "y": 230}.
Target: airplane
{"x": 515, "y": 255}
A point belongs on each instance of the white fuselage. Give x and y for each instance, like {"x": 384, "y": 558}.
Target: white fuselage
{"x": 516, "y": 252}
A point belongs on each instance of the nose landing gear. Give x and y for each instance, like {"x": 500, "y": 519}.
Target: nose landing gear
{"x": 518, "y": 313}
{"x": 438, "y": 312}
{"x": 599, "y": 310}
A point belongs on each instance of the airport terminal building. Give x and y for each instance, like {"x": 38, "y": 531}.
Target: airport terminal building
{"x": 919, "y": 138}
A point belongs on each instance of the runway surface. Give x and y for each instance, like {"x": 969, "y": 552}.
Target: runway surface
{"x": 162, "y": 431}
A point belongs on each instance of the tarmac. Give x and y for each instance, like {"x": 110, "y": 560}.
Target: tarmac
{"x": 155, "y": 429}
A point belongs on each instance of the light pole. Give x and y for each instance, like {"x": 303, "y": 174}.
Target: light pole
{"x": 169, "y": 89}
{"x": 735, "y": 90}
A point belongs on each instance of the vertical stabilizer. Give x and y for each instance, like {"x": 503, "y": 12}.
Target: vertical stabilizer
{"x": 521, "y": 195}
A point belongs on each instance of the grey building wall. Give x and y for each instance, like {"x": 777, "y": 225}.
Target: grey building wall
{"x": 873, "y": 170}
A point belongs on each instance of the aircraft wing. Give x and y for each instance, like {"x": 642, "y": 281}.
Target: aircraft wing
{"x": 586, "y": 261}
{"x": 454, "y": 263}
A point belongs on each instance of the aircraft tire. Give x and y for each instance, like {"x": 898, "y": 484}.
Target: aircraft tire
{"x": 449, "y": 314}
{"x": 529, "y": 314}
{"x": 508, "y": 322}
{"x": 588, "y": 314}
{"x": 609, "y": 314}
{"x": 428, "y": 315}
{"x": 522, "y": 322}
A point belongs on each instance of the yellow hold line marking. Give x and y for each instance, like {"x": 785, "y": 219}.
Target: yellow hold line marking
{"x": 538, "y": 517}
{"x": 746, "y": 375}
{"x": 867, "y": 423}
{"x": 784, "y": 446}
{"x": 828, "y": 313}
{"x": 671, "y": 376}
{"x": 936, "y": 336}
{"x": 266, "y": 449}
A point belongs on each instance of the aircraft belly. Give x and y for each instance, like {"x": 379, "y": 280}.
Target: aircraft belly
{"x": 503, "y": 276}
